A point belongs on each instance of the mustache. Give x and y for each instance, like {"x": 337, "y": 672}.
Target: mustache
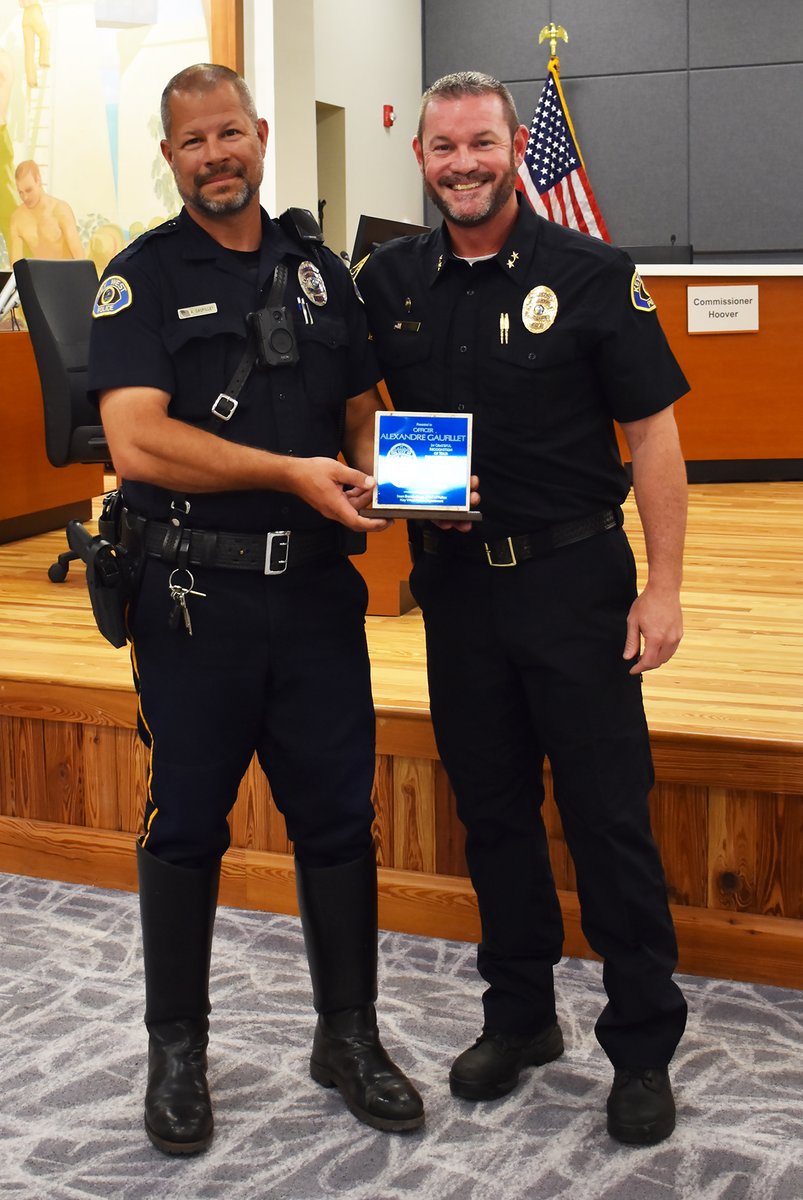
{"x": 209, "y": 176}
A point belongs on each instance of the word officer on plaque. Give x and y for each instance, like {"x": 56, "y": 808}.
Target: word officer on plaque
{"x": 422, "y": 466}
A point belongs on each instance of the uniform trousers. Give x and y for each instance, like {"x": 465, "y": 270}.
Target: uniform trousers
{"x": 276, "y": 665}
{"x": 526, "y": 662}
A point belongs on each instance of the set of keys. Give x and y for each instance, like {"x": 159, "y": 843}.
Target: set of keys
{"x": 178, "y": 595}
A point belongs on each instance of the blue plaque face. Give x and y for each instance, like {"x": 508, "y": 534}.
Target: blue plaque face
{"x": 422, "y": 462}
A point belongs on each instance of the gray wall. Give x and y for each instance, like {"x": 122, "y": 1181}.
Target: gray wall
{"x": 689, "y": 113}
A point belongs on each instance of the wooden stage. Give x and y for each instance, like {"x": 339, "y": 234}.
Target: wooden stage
{"x": 727, "y": 729}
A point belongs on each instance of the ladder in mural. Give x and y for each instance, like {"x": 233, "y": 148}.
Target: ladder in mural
{"x": 39, "y": 123}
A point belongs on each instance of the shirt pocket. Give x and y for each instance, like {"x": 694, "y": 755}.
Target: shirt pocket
{"x": 543, "y": 389}
{"x": 323, "y": 347}
{"x": 405, "y": 360}
{"x": 205, "y": 351}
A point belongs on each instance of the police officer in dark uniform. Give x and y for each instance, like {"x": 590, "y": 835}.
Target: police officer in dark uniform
{"x": 230, "y": 356}
{"x": 533, "y": 624}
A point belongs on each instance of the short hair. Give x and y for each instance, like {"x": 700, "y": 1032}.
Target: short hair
{"x": 205, "y": 77}
{"x": 468, "y": 83}
{"x": 28, "y": 167}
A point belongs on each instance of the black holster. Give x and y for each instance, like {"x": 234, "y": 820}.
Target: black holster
{"x": 112, "y": 569}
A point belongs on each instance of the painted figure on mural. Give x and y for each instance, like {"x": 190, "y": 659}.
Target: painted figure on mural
{"x": 42, "y": 226}
{"x": 34, "y": 30}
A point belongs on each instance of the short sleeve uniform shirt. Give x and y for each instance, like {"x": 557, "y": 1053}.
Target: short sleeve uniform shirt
{"x": 174, "y": 317}
{"x": 452, "y": 337}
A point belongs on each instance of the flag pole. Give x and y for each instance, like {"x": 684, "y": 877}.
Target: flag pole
{"x": 553, "y": 176}
{"x": 553, "y": 32}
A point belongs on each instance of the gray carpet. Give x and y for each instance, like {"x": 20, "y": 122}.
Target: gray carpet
{"x": 73, "y": 1054}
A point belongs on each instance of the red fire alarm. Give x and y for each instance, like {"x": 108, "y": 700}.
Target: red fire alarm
{"x": 388, "y": 115}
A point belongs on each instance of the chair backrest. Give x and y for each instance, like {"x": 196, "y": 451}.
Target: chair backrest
{"x": 57, "y": 297}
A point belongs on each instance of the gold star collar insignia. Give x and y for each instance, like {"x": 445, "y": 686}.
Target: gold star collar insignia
{"x": 511, "y": 262}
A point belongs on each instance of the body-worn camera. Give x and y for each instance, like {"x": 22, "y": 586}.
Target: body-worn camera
{"x": 274, "y": 337}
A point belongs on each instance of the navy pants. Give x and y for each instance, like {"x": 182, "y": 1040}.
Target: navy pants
{"x": 523, "y": 663}
{"x": 276, "y": 665}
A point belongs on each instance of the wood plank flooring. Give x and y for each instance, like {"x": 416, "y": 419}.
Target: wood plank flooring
{"x": 738, "y": 673}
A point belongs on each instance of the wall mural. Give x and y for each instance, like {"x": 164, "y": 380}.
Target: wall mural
{"x": 81, "y": 173}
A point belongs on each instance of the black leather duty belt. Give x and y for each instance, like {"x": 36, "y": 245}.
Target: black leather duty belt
{"x": 510, "y": 551}
{"x": 271, "y": 553}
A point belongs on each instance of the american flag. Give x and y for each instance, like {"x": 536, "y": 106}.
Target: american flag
{"x": 553, "y": 175}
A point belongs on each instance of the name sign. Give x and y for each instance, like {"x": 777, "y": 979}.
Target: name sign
{"x": 422, "y": 465}
{"x": 723, "y": 309}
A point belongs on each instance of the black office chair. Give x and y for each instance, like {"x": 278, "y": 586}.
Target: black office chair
{"x": 57, "y": 297}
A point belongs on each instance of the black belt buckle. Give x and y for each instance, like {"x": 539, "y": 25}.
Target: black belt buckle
{"x": 277, "y": 552}
{"x": 509, "y": 560}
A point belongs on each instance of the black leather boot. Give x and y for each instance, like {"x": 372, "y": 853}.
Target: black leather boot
{"x": 339, "y": 919}
{"x": 641, "y": 1107}
{"x": 492, "y": 1066}
{"x": 177, "y": 906}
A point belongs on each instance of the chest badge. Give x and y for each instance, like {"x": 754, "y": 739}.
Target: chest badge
{"x": 312, "y": 284}
{"x": 539, "y": 309}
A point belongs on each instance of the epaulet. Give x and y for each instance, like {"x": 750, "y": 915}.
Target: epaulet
{"x": 167, "y": 227}
{"x": 300, "y": 225}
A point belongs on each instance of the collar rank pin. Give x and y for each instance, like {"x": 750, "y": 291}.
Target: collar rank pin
{"x": 511, "y": 262}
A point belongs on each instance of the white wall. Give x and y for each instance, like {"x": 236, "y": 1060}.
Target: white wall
{"x": 353, "y": 54}
{"x": 259, "y": 75}
{"x": 368, "y": 53}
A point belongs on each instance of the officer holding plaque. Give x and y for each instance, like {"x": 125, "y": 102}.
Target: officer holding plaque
{"x": 536, "y": 635}
{"x": 231, "y": 361}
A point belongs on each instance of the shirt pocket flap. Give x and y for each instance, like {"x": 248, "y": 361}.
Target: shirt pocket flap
{"x": 178, "y": 333}
{"x": 399, "y": 349}
{"x": 321, "y": 328}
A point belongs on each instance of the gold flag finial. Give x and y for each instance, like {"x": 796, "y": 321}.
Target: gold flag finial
{"x": 553, "y": 32}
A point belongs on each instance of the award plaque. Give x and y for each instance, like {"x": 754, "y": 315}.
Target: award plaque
{"x": 422, "y": 466}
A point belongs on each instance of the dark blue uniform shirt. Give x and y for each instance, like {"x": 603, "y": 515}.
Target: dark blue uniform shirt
{"x": 452, "y": 337}
{"x": 184, "y": 332}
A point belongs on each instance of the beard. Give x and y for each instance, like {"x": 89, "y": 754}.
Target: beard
{"x": 234, "y": 203}
{"x": 495, "y": 201}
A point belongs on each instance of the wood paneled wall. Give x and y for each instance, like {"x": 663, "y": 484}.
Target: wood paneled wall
{"x": 733, "y": 856}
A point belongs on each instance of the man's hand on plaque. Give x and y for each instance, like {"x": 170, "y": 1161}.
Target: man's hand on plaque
{"x": 474, "y": 502}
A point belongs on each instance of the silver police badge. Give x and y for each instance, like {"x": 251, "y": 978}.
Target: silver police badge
{"x": 312, "y": 284}
{"x": 539, "y": 309}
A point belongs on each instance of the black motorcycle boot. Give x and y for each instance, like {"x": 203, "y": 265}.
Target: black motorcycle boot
{"x": 338, "y": 909}
{"x": 177, "y": 907}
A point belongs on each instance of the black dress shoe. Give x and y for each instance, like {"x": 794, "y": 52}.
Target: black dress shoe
{"x": 178, "y": 1110}
{"x": 347, "y": 1054}
{"x": 641, "y": 1108}
{"x": 491, "y": 1067}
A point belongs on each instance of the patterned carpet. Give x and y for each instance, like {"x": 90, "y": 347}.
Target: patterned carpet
{"x": 72, "y": 1067}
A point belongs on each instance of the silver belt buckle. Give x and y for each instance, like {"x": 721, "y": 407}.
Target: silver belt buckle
{"x": 278, "y": 540}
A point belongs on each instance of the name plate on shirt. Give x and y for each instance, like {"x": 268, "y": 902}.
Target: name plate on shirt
{"x": 422, "y": 466}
